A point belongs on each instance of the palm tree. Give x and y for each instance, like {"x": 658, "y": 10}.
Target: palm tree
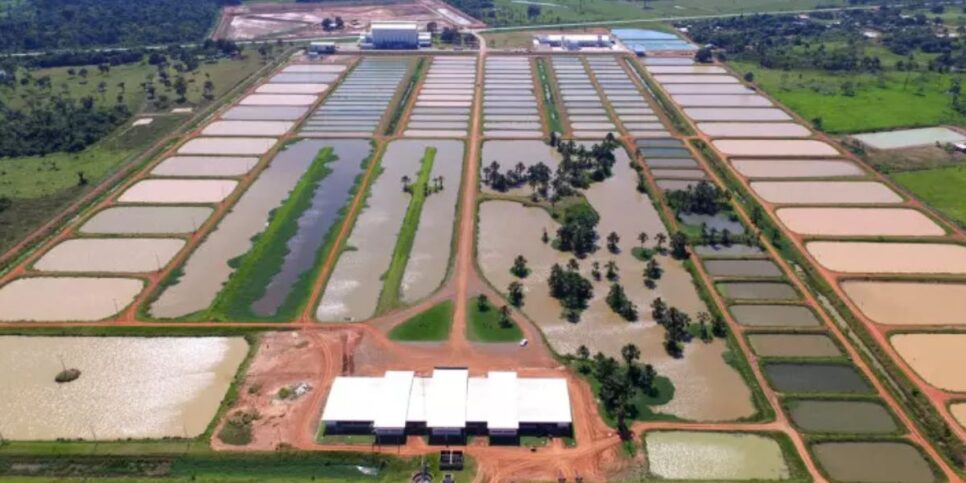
{"x": 660, "y": 238}
{"x": 612, "y": 270}
{"x": 630, "y": 353}
{"x": 642, "y": 237}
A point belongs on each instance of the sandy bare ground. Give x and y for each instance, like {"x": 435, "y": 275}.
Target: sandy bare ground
{"x": 301, "y": 20}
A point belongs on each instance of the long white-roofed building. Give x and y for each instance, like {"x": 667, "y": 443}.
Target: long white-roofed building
{"x": 449, "y": 403}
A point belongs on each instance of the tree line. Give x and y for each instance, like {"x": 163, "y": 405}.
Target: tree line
{"x": 833, "y": 41}
{"x": 69, "y": 24}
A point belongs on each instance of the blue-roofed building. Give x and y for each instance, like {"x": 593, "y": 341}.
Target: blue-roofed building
{"x": 647, "y": 42}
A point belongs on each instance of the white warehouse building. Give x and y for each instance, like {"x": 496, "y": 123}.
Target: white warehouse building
{"x": 392, "y": 35}
{"x": 449, "y": 403}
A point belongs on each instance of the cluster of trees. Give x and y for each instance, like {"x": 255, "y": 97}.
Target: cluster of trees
{"x": 570, "y": 288}
{"x": 52, "y": 119}
{"x": 703, "y": 198}
{"x": 618, "y": 301}
{"x": 578, "y": 230}
{"x": 579, "y": 167}
{"x": 678, "y": 326}
{"x": 56, "y": 123}
{"x": 537, "y": 176}
{"x": 68, "y": 24}
{"x": 619, "y": 384}
{"x": 832, "y": 41}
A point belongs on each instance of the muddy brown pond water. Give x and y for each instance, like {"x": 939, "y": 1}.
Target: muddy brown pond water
{"x": 129, "y": 387}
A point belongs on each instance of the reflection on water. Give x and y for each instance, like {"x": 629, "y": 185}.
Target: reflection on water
{"x": 129, "y": 387}
{"x": 314, "y": 224}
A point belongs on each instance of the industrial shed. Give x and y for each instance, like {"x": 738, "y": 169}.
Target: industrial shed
{"x": 448, "y": 403}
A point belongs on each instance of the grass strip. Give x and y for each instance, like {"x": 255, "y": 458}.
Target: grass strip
{"x": 404, "y": 99}
{"x": 392, "y": 279}
{"x": 208, "y": 465}
{"x": 549, "y": 101}
{"x": 429, "y": 326}
{"x": 257, "y": 267}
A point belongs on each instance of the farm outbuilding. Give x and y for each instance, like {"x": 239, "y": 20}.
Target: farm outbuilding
{"x": 393, "y": 35}
{"x": 448, "y": 403}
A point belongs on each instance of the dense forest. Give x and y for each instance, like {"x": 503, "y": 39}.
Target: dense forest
{"x": 56, "y": 124}
{"x": 834, "y": 41}
{"x": 65, "y": 24}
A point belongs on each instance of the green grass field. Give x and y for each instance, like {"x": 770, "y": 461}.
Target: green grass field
{"x": 893, "y": 100}
{"x": 38, "y": 186}
{"x": 511, "y": 12}
{"x": 484, "y": 326}
{"x": 941, "y": 188}
{"x": 430, "y": 326}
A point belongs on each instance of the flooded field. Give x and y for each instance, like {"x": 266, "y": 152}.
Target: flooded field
{"x": 353, "y": 288}
{"x": 721, "y": 100}
{"x": 448, "y": 88}
{"x": 816, "y": 378}
{"x": 207, "y": 269}
{"x": 722, "y": 251}
{"x": 742, "y": 268}
{"x": 793, "y": 345}
{"x": 430, "y": 254}
{"x": 140, "y": 388}
{"x": 810, "y": 168}
{"x": 358, "y": 104}
{"x": 686, "y": 69}
{"x": 754, "y": 130}
{"x": 315, "y": 223}
{"x": 212, "y": 166}
{"x": 774, "y": 147}
{"x": 907, "y": 138}
{"x": 937, "y": 358}
{"x": 247, "y": 128}
{"x": 268, "y": 113}
{"x": 178, "y": 191}
{"x": 909, "y": 303}
{"x": 736, "y": 114}
{"x": 869, "y": 257}
{"x": 39, "y": 299}
{"x": 757, "y": 291}
{"x": 695, "y": 79}
{"x": 707, "y": 89}
{"x": 831, "y": 416}
{"x": 719, "y": 222}
{"x": 228, "y": 146}
{"x": 147, "y": 220}
{"x": 278, "y": 100}
{"x": 858, "y": 222}
{"x": 291, "y": 88}
{"x": 774, "y": 316}
{"x": 691, "y": 455}
{"x": 332, "y": 68}
{"x": 578, "y": 92}
{"x": 110, "y": 255}
{"x": 873, "y": 462}
{"x": 825, "y": 192}
{"x": 707, "y": 388}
